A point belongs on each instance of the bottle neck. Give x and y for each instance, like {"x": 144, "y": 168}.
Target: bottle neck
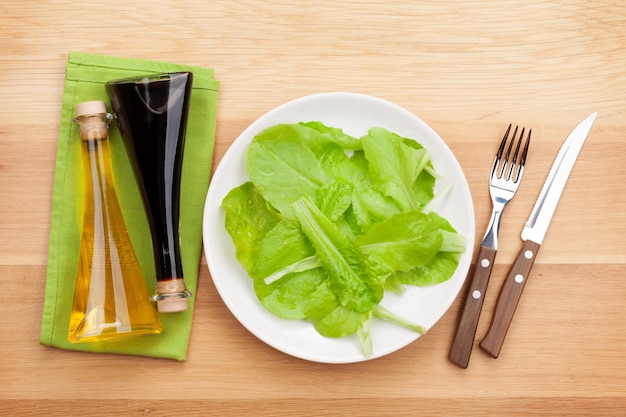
{"x": 93, "y": 127}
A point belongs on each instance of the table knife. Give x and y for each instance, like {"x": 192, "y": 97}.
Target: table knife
{"x": 533, "y": 233}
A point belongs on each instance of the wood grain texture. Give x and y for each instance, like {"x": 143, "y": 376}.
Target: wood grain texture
{"x": 468, "y": 69}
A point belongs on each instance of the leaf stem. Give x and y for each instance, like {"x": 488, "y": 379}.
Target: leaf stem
{"x": 302, "y": 265}
{"x": 385, "y": 314}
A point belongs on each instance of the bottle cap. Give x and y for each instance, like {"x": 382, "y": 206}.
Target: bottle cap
{"x": 87, "y": 108}
{"x": 172, "y": 305}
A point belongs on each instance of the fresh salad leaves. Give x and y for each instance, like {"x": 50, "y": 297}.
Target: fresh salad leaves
{"x": 329, "y": 222}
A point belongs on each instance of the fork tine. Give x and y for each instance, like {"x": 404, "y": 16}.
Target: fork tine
{"x": 498, "y": 164}
{"x": 508, "y": 151}
{"x": 502, "y": 161}
{"x": 522, "y": 157}
{"x": 503, "y": 143}
{"x": 525, "y": 151}
{"x": 514, "y": 161}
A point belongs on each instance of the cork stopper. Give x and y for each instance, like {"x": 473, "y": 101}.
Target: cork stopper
{"x": 91, "y": 119}
{"x": 172, "y": 296}
{"x": 88, "y": 108}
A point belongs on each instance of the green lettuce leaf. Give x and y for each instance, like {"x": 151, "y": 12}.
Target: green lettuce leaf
{"x": 282, "y": 246}
{"x": 394, "y": 166}
{"x": 351, "y": 277}
{"x": 333, "y": 135}
{"x": 288, "y": 297}
{"x": 248, "y": 220}
{"x": 283, "y": 168}
{"x": 330, "y": 317}
{"x": 403, "y": 242}
{"x": 334, "y": 199}
{"x": 438, "y": 270}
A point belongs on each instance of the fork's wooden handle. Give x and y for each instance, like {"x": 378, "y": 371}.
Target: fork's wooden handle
{"x": 509, "y": 298}
{"x": 466, "y": 331}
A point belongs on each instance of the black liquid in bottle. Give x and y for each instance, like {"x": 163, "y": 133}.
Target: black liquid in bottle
{"x": 152, "y": 116}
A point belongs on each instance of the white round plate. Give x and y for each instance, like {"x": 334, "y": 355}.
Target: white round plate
{"x": 355, "y": 114}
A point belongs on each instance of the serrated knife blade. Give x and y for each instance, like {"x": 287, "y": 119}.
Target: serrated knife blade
{"x": 533, "y": 233}
{"x": 539, "y": 220}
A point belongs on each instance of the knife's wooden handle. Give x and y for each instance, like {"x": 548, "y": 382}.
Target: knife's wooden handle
{"x": 466, "y": 331}
{"x": 509, "y": 298}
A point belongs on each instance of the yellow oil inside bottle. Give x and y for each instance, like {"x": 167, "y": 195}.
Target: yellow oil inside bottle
{"x": 111, "y": 298}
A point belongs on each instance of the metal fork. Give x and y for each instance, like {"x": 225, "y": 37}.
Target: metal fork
{"x": 506, "y": 174}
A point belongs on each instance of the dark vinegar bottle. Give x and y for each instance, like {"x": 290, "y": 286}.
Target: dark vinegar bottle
{"x": 152, "y": 116}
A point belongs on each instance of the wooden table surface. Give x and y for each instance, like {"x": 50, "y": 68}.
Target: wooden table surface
{"x": 467, "y": 68}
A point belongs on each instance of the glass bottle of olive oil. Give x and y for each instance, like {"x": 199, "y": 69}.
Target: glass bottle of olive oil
{"x": 111, "y": 298}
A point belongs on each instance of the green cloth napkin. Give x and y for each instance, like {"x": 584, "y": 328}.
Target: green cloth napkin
{"x": 86, "y": 75}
